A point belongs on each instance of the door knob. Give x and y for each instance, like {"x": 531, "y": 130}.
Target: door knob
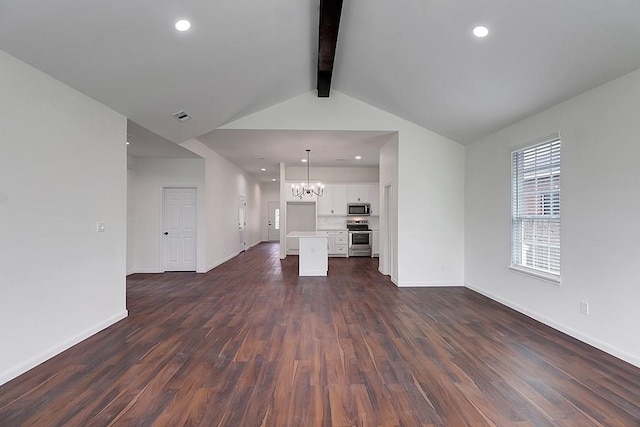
{"x": 166, "y": 233}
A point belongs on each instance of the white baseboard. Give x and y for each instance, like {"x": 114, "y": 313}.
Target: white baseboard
{"x": 222, "y": 261}
{"x": 594, "y": 342}
{"x": 23, "y": 367}
{"x": 428, "y": 284}
{"x": 145, "y": 271}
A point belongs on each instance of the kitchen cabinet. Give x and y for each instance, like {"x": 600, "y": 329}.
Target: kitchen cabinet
{"x": 313, "y": 253}
{"x": 375, "y": 243}
{"x": 358, "y": 193}
{"x": 338, "y": 242}
{"x": 334, "y": 200}
{"x": 374, "y": 198}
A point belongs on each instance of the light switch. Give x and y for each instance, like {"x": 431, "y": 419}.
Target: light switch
{"x": 100, "y": 226}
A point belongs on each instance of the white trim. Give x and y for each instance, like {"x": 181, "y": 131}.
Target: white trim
{"x": 614, "y": 351}
{"x": 551, "y": 278}
{"x": 428, "y": 284}
{"x": 222, "y": 261}
{"x": 145, "y": 271}
{"x": 538, "y": 141}
{"x": 25, "y": 366}
{"x": 229, "y": 258}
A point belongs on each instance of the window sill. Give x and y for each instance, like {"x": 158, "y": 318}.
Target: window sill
{"x": 551, "y": 278}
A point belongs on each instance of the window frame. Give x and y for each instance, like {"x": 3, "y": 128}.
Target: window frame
{"x": 548, "y": 205}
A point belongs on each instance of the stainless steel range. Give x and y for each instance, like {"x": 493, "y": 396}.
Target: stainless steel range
{"x": 359, "y": 237}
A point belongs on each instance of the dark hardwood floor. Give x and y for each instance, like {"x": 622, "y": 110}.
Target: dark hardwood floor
{"x": 252, "y": 344}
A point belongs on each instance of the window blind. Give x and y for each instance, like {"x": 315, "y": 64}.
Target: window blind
{"x": 535, "y": 207}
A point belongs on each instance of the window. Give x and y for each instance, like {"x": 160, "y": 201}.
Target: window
{"x": 277, "y": 218}
{"x": 535, "y": 209}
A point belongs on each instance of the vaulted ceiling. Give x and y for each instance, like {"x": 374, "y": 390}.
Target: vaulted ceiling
{"x": 414, "y": 58}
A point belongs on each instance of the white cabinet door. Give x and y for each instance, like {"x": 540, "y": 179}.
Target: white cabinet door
{"x": 374, "y": 198}
{"x": 340, "y": 199}
{"x": 358, "y": 193}
{"x": 375, "y": 244}
{"x": 325, "y": 203}
{"x": 334, "y": 200}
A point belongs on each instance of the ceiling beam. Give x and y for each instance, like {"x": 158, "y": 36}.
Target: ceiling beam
{"x": 330, "y": 11}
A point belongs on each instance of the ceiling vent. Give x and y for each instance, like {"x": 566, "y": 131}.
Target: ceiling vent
{"x": 181, "y": 116}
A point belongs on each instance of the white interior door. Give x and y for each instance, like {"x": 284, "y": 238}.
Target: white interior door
{"x": 273, "y": 234}
{"x": 179, "y": 245}
{"x": 242, "y": 223}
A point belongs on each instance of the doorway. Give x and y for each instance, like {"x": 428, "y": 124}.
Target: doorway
{"x": 242, "y": 223}
{"x": 273, "y": 231}
{"x": 179, "y": 235}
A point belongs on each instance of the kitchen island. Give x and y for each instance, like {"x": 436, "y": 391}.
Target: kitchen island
{"x": 313, "y": 258}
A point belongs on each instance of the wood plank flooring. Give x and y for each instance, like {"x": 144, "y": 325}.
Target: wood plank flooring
{"x": 252, "y": 344}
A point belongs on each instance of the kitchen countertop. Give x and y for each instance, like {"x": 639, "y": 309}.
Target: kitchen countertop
{"x": 307, "y": 234}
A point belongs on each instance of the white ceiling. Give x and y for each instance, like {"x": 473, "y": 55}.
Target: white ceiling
{"x": 255, "y": 149}
{"x": 414, "y": 58}
{"x": 144, "y": 143}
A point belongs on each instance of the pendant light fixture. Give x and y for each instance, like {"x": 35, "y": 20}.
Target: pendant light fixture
{"x": 307, "y": 189}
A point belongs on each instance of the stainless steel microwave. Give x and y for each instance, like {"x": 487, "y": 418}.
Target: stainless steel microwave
{"x": 358, "y": 209}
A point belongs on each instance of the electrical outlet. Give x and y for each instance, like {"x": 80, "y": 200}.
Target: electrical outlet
{"x": 100, "y": 227}
{"x": 584, "y": 308}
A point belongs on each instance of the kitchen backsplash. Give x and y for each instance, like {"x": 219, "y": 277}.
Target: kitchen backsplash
{"x": 340, "y": 222}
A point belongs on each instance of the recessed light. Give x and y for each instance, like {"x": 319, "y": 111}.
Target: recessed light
{"x": 262, "y": 169}
{"x": 480, "y": 31}
{"x": 273, "y": 179}
{"x": 183, "y": 25}
{"x": 358, "y": 157}
{"x": 303, "y": 160}
{"x": 128, "y": 143}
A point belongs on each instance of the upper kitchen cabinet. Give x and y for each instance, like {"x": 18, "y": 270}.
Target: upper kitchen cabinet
{"x": 334, "y": 200}
{"x": 374, "y": 198}
{"x": 359, "y": 193}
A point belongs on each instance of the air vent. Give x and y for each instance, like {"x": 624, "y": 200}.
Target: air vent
{"x": 181, "y": 116}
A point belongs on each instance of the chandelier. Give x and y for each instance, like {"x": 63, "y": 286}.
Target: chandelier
{"x": 307, "y": 189}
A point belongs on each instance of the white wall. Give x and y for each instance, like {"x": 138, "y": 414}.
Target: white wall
{"x": 600, "y": 255}
{"x": 430, "y": 199}
{"x": 388, "y": 257}
{"x": 330, "y": 174}
{"x": 62, "y": 169}
{"x": 146, "y": 178}
{"x": 430, "y": 185}
{"x": 224, "y": 183}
